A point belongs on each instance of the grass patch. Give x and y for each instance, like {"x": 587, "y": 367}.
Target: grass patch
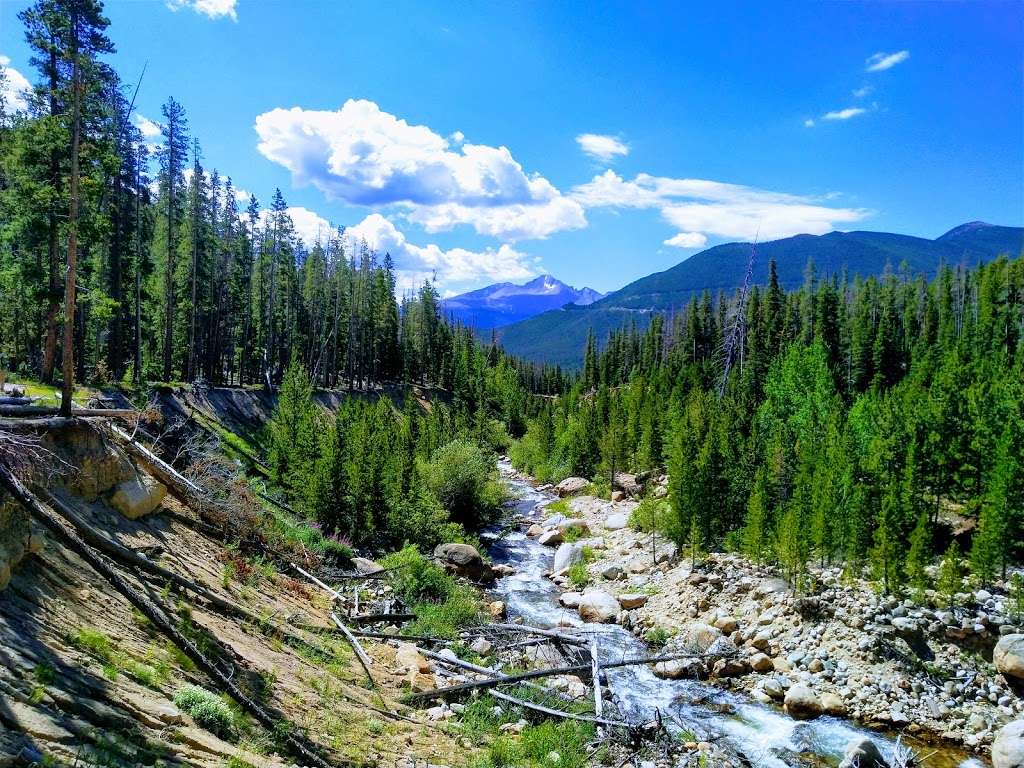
{"x": 658, "y": 636}
{"x": 207, "y": 709}
{"x": 579, "y": 575}
{"x": 538, "y": 746}
{"x": 558, "y": 507}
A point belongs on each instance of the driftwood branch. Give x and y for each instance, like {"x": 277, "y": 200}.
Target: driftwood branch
{"x": 528, "y": 630}
{"x": 39, "y": 410}
{"x": 66, "y": 535}
{"x": 365, "y": 660}
{"x": 574, "y": 669}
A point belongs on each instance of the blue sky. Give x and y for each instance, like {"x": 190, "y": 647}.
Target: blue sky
{"x": 487, "y": 141}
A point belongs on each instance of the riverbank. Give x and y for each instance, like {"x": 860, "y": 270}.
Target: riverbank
{"x": 844, "y": 651}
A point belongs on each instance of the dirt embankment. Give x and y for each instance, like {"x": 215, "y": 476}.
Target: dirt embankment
{"x": 86, "y": 678}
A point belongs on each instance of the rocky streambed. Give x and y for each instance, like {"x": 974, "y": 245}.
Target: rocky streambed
{"x": 777, "y": 679}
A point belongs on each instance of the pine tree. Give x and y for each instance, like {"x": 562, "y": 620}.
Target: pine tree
{"x": 950, "y": 578}
{"x": 919, "y": 554}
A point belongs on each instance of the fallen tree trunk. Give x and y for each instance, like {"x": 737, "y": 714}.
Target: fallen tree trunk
{"x": 381, "y": 618}
{"x": 179, "y": 485}
{"x": 360, "y": 654}
{"x": 66, "y": 535}
{"x": 39, "y": 410}
{"x": 574, "y": 669}
{"x": 528, "y": 630}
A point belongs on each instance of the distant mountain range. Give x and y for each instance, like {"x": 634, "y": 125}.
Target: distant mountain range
{"x": 558, "y": 336}
{"x": 505, "y": 303}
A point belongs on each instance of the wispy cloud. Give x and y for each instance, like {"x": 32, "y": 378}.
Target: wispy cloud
{"x": 701, "y": 207}
{"x": 602, "y": 147}
{"x": 843, "y": 114}
{"x": 213, "y": 9}
{"x": 881, "y": 61}
{"x": 864, "y": 90}
{"x": 809, "y": 122}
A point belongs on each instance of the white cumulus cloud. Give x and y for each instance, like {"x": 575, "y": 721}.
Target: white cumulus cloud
{"x": 15, "y": 87}
{"x": 601, "y": 147}
{"x": 310, "y": 226}
{"x": 843, "y": 114}
{"x": 701, "y": 207}
{"x": 881, "y": 61}
{"x": 213, "y": 9}
{"x": 688, "y": 240}
{"x": 148, "y": 128}
{"x": 365, "y": 156}
{"x": 453, "y": 266}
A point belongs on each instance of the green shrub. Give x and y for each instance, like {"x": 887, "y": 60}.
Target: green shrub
{"x": 558, "y": 507}
{"x": 207, "y": 709}
{"x": 578, "y": 575}
{"x": 463, "y": 479}
{"x": 655, "y": 516}
{"x": 568, "y": 739}
{"x": 416, "y": 579}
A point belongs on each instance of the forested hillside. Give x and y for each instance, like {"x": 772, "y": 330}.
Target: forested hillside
{"x": 558, "y": 337}
{"x": 858, "y": 421}
{"x": 174, "y": 276}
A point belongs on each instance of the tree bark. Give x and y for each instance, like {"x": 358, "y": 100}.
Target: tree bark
{"x": 68, "y": 386}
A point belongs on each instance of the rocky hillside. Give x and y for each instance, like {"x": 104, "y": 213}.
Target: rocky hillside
{"x": 948, "y": 676}
{"x": 88, "y": 679}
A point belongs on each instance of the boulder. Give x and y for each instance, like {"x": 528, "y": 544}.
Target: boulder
{"x": 408, "y": 659}
{"x": 534, "y": 530}
{"x": 567, "y": 555}
{"x": 481, "y": 646}
{"x": 680, "y": 669}
{"x": 831, "y": 704}
{"x": 571, "y": 486}
{"x": 1008, "y": 656}
{"x": 727, "y": 624}
{"x": 632, "y": 600}
{"x": 760, "y": 662}
{"x": 365, "y": 566}
{"x": 802, "y": 703}
{"x": 496, "y": 609}
{"x": 722, "y": 646}
{"x": 771, "y": 587}
{"x": 598, "y": 607}
{"x": 611, "y": 572}
{"x": 570, "y": 599}
{"x": 617, "y": 521}
{"x": 550, "y": 538}
{"x": 463, "y": 560}
{"x": 862, "y": 752}
{"x": 730, "y": 668}
{"x": 698, "y": 637}
{"x": 627, "y": 483}
{"x": 618, "y": 496}
{"x": 1008, "y": 748}
{"x": 138, "y": 496}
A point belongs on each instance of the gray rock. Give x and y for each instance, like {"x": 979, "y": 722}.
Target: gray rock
{"x": 1008, "y": 748}
{"x": 598, "y": 607}
{"x": 571, "y": 486}
{"x": 863, "y": 753}
{"x": 550, "y": 538}
{"x": 802, "y": 703}
{"x": 617, "y": 521}
{"x": 567, "y": 555}
{"x": 463, "y": 560}
{"x": 1008, "y": 656}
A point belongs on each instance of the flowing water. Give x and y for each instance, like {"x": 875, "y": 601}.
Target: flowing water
{"x": 764, "y": 735}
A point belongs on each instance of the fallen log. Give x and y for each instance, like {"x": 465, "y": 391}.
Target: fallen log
{"x": 595, "y": 672}
{"x": 383, "y": 618}
{"x": 190, "y": 493}
{"x": 41, "y": 410}
{"x": 365, "y": 660}
{"x": 66, "y": 534}
{"x": 573, "y": 669}
{"x": 552, "y": 712}
{"x": 528, "y": 630}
